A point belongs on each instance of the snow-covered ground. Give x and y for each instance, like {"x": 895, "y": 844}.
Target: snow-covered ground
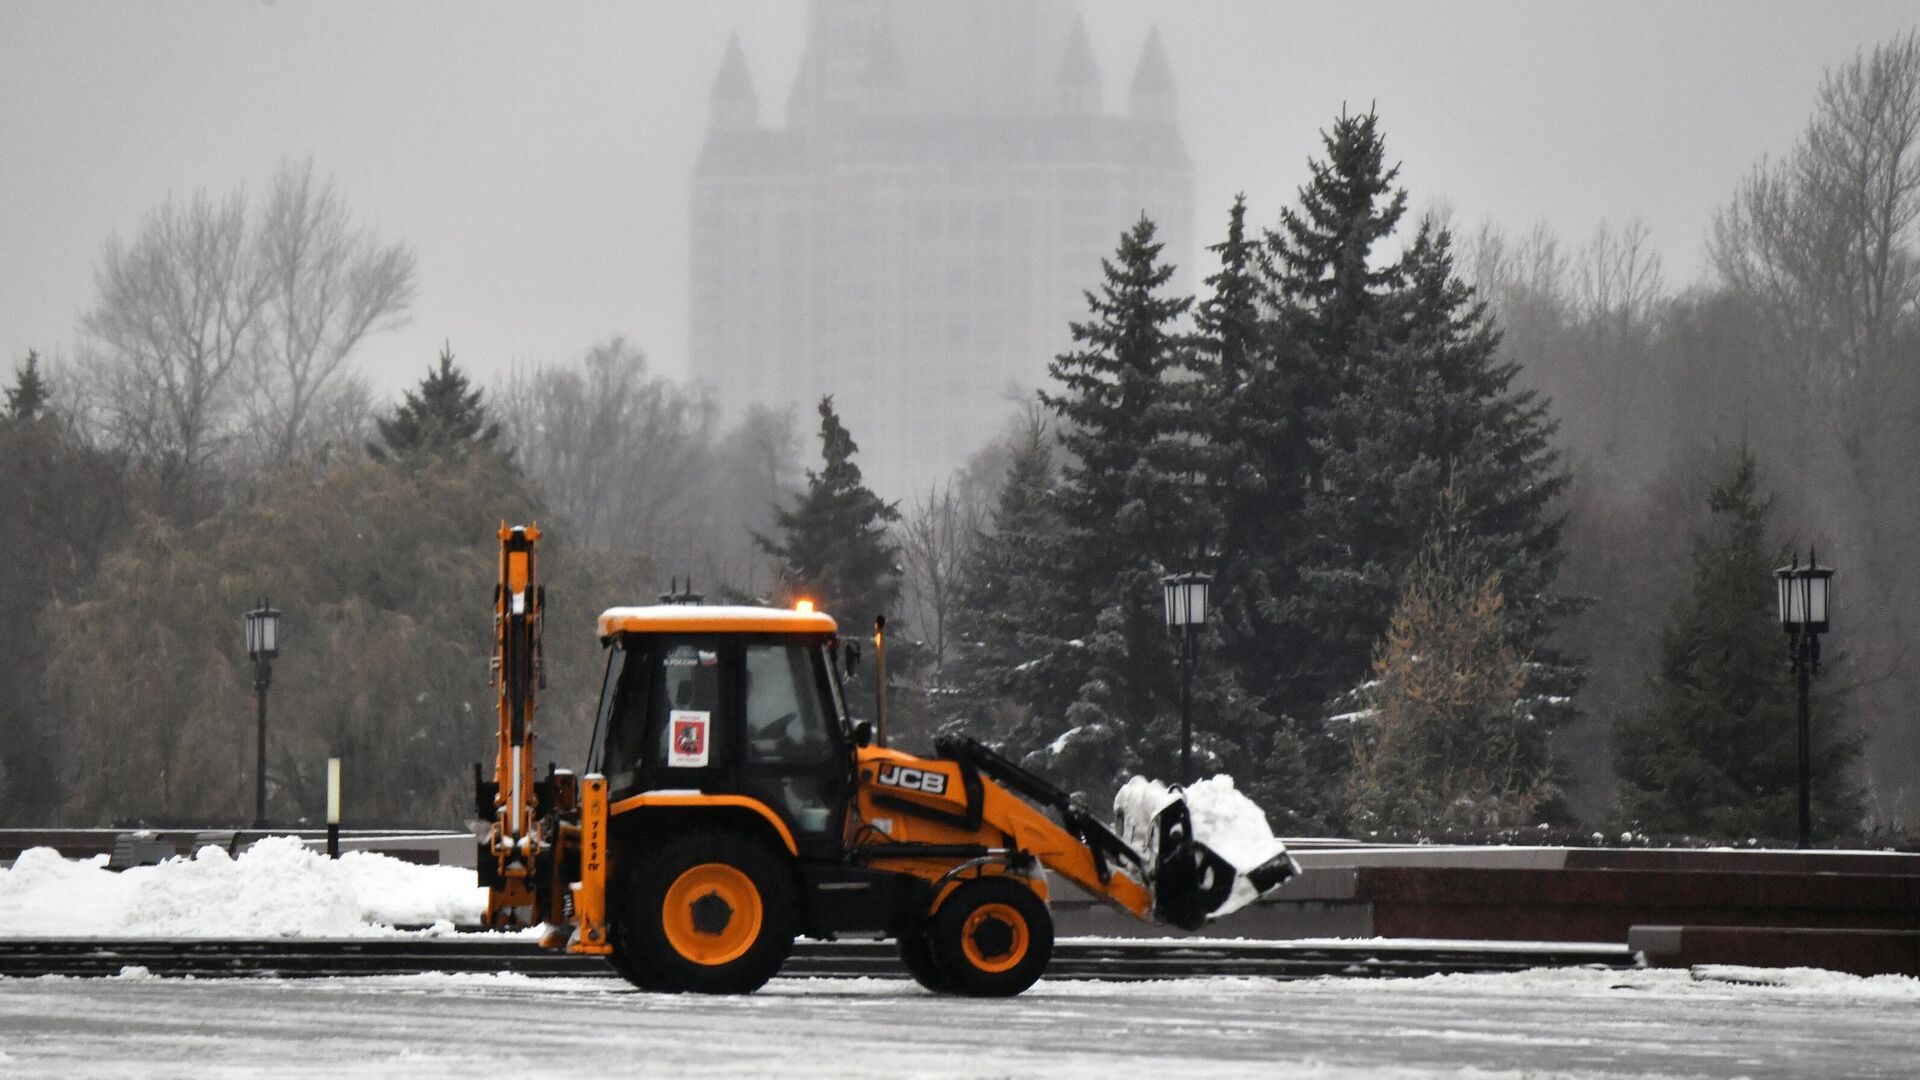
{"x": 278, "y": 887}
{"x": 1535, "y": 1024}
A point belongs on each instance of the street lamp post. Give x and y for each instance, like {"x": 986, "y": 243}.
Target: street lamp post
{"x": 1186, "y": 596}
{"x": 263, "y": 644}
{"x": 1803, "y": 615}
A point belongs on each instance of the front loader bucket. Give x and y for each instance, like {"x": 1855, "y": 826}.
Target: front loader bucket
{"x": 1192, "y": 882}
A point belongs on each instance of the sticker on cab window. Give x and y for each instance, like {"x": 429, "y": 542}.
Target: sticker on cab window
{"x": 689, "y": 747}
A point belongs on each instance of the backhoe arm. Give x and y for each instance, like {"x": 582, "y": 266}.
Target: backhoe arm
{"x": 515, "y": 838}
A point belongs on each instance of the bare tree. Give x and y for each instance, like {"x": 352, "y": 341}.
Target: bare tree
{"x": 1516, "y": 275}
{"x": 1823, "y": 248}
{"x": 935, "y": 536}
{"x": 1618, "y": 278}
{"x": 327, "y": 284}
{"x": 756, "y": 471}
{"x": 170, "y": 326}
{"x": 619, "y": 453}
{"x": 1824, "y": 238}
{"x": 214, "y": 328}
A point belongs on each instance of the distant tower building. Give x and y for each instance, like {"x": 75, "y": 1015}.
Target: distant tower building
{"x": 917, "y": 238}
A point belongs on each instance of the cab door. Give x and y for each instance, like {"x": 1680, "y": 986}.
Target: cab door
{"x": 793, "y": 752}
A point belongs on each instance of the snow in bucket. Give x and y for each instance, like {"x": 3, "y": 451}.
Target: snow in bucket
{"x": 1223, "y": 819}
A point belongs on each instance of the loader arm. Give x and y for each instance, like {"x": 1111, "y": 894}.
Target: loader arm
{"x": 920, "y": 815}
{"x": 1103, "y": 849}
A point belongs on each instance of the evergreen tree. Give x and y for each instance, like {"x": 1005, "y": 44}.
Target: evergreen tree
{"x": 1253, "y": 454}
{"x": 1129, "y": 511}
{"x": 1401, "y": 395}
{"x": 443, "y": 418}
{"x": 1006, "y": 613}
{"x": 1716, "y": 754}
{"x": 1322, "y": 255}
{"x": 834, "y": 546}
{"x": 1121, "y": 424}
{"x": 1431, "y": 409}
{"x": 27, "y": 399}
{"x": 1326, "y": 296}
{"x": 1125, "y": 517}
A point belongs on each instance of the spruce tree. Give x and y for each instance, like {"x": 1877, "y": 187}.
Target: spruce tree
{"x": 1401, "y": 395}
{"x": 1124, "y": 515}
{"x": 1326, "y": 295}
{"x": 1130, "y": 510}
{"x": 1323, "y": 252}
{"x": 1716, "y": 753}
{"x": 444, "y": 418}
{"x": 1251, "y": 450}
{"x": 1431, "y": 408}
{"x": 1320, "y": 296}
{"x": 1008, "y": 607}
{"x": 27, "y": 398}
{"x": 1121, "y": 423}
{"x": 1253, "y": 454}
{"x": 834, "y": 546}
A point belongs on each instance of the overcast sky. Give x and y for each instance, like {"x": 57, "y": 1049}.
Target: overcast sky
{"x": 537, "y": 155}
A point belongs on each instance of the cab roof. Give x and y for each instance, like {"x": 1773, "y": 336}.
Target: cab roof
{"x": 701, "y": 619}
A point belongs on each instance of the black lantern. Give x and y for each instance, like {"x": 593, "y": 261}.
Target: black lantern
{"x": 1802, "y": 598}
{"x": 263, "y": 644}
{"x": 263, "y": 633}
{"x": 1186, "y": 598}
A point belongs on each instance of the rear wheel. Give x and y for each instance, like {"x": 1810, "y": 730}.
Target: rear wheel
{"x": 709, "y": 912}
{"x": 992, "y": 938}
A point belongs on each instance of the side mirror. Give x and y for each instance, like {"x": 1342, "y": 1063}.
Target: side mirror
{"x": 853, "y": 657}
{"x": 863, "y": 733}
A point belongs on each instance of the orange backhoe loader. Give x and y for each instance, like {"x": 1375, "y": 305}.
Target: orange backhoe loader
{"x": 730, "y": 804}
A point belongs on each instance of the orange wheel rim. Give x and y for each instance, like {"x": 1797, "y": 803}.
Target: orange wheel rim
{"x": 994, "y": 937}
{"x": 712, "y": 914}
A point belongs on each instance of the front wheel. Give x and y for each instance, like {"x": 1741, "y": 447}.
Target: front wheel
{"x": 916, "y": 953}
{"x": 709, "y": 912}
{"x": 992, "y": 938}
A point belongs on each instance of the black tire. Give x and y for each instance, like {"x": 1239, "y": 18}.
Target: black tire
{"x": 992, "y": 938}
{"x": 916, "y": 952}
{"x": 617, "y": 959}
{"x": 710, "y": 912}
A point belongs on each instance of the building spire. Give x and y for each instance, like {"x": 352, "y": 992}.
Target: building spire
{"x": 1152, "y": 96}
{"x": 732, "y": 105}
{"x": 1076, "y": 86}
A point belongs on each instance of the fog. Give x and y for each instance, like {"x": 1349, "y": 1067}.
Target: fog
{"x": 632, "y": 225}
{"x": 537, "y": 156}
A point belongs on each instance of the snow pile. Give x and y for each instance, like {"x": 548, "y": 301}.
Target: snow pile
{"x": 1223, "y": 819}
{"x": 277, "y": 888}
{"x": 1812, "y": 980}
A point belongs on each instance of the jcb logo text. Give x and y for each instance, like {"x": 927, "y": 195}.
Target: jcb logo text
{"x": 932, "y": 783}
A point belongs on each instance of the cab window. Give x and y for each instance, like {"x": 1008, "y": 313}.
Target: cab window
{"x": 683, "y": 729}
{"x": 793, "y": 761}
{"x": 786, "y": 718}
{"x": 662, "y": 718}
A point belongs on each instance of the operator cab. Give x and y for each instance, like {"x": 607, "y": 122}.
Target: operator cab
{"x": 728, "y": 701}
